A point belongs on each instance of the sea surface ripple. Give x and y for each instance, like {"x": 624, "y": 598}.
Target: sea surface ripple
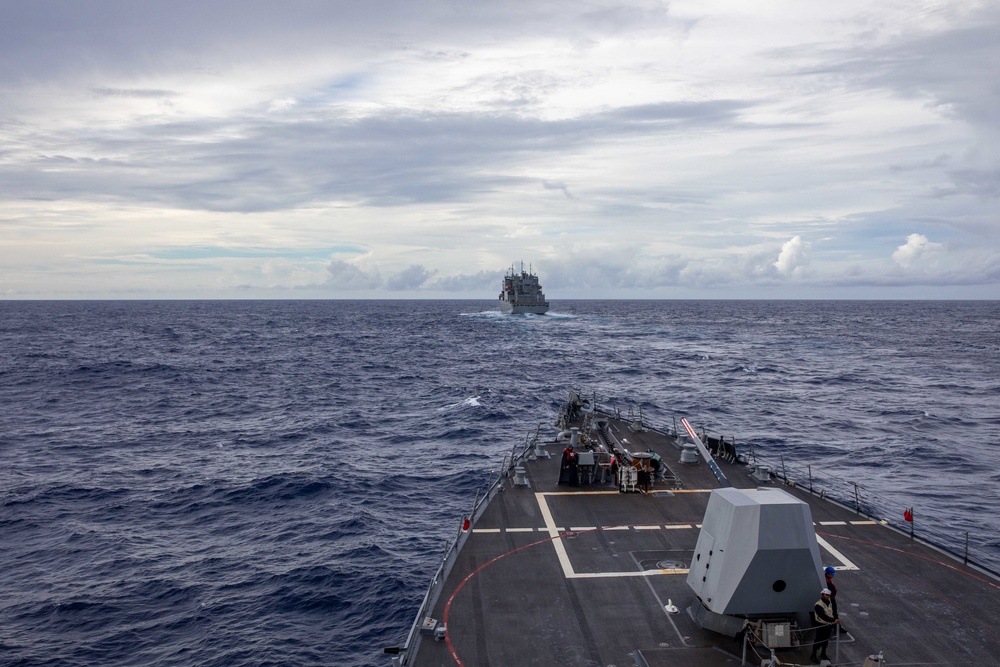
{"x": 273, "y": 482}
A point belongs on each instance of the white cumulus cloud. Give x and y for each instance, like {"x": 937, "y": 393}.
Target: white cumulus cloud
{"x": 792, "y": 256}
{"x": 916, "y": 247}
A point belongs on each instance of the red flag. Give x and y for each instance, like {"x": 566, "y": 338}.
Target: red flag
{"x": 908, "y": 515}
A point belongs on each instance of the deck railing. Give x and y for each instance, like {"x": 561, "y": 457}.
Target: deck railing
{"x": 493, "y": 484}
{"x": 923, "y": 526}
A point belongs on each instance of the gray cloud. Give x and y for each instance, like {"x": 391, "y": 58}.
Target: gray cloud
{"x": 411, "y": 278}
{"x": 348, "y": 277}
{"x": 978, "y": 182}
{"x": 262, "y": 164}
{"x": 139, "y": 93}
{"x": 483, "y": 282}
{"x": 948, "y": 65}
{"x": 58, "y": 39}
{"x": 557, "y": 185}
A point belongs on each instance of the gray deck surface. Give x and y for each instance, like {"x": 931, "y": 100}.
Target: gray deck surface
{"x": 558, "y": 575}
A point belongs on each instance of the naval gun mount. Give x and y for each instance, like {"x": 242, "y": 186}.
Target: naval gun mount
{"x": 756, "y": 559}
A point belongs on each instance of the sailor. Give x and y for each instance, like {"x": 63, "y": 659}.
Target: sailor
{"x": 825, "y": 623}
{"x": 568, "y": 469}
{"x": 656, "y": 464}
{"x": 829, "y": 572}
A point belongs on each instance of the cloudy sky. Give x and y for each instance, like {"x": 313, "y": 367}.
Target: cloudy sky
{"x": 414, "y": 149}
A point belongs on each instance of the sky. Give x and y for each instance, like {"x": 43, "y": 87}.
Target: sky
{"x": 418, "y": 149}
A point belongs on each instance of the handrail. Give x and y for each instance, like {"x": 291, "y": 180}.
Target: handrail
{"x": 493, "y": 486}
{"x": 887, "y": 511}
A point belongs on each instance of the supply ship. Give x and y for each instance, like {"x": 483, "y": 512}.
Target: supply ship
{"x": 610, "y": 541}
{"x": 521, "y": 293}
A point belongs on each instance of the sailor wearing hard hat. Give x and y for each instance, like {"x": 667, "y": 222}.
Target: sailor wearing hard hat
{"x": 825, "y": 623}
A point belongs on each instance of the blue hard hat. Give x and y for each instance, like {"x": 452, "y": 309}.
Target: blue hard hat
{"x": 830, "y": 570}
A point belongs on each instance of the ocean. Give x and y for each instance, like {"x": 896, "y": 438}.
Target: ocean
{"x": 274, "y": 482}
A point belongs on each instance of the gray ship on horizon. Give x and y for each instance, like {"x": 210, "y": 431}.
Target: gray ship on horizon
{"x": 522, "y": 294}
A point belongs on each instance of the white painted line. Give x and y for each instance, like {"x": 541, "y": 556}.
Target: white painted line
{"x": 553, "y": 531}
{"x": 521, "y": 530}
{"x": 844, "y": 563}
{"x": 486, "y": 530}
{"x": 614, "y": 575}
{"x": 864, "y": 523}
{"x": 680, "y": 526}
{"x": 579, "y": 493}
{"x": 563, "y": 557}
{"x": 833, "y": 523}
{"x": 580, "y": 529}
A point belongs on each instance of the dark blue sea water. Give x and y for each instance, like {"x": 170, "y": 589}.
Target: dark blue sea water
{"x": 273, "y": 483}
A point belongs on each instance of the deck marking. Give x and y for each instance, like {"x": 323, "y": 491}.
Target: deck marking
{"x": 616, "y": 492}
{"x": 557, "y": 544}
{"x": 486, "y": 530}
{"x": 555, "y": 536}
{"x": 833, "y": 523}
{"x": 864, "y": 523}
{"x": 844, "y": 563}
{"x": 685, "y": 491}
{"x": 580, "y": 529}
{"x": 468, "y": 577}
{"x": 520, "y": 530}
{"x": 578, "y": 493}
{"x": 922, "y": 557}
{"x": 614, "y": 575}
{"x": 677, "y": 526}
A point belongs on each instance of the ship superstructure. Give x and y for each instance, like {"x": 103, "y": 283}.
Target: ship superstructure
{"x": 521, "y": 293}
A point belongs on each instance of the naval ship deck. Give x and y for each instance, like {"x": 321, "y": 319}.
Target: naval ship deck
{"x": 550, "y": 574}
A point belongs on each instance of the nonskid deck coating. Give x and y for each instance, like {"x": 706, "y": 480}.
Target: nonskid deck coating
{"x": 554, "y": 575}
